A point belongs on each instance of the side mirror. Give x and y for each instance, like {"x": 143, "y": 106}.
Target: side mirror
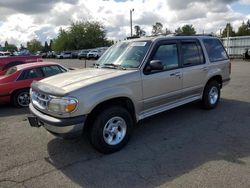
{"x": 154, "y": 65}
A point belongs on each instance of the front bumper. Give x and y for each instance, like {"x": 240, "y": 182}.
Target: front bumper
{"x": 61, "y": 127}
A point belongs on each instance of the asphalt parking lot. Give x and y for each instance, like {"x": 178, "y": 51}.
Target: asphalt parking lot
{"x": 183, "y": 147}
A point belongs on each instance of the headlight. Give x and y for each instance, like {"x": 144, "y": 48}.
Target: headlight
{"x": 62, "y": 105}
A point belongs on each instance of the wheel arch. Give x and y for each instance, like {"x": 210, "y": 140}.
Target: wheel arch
{"x": 119, "y": 101}
{"x": 217, "y": 78}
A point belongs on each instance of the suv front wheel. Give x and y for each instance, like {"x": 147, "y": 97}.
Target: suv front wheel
{"x": 211, "y": 95}
{"x": 111, "y": 129}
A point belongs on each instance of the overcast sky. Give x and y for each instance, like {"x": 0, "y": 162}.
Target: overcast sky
{"x": 23, "y": 20}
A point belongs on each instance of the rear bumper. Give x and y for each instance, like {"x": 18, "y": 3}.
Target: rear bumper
{"x": 60, "y": 127}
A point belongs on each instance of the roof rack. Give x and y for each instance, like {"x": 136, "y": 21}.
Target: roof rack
{"x": 208, "y": 35}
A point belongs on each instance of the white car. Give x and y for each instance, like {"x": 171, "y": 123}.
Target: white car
{"x": 64, "y": 55}
{"x": 4, "y": 53}
{"x": 95, "y": 54}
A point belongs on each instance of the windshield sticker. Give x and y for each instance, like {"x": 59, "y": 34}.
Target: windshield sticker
{"x": 139, "y": 44}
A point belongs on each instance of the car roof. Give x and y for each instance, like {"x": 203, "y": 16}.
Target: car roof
{"x": 34, "y": 65}
{"x": 170, "y": 37}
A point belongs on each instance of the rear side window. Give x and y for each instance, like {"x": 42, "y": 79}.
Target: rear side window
{"x": 31, "y": 74}
{"x": 191, "y": 53}
{"x": 52, "y": 70}
{"x": 10, "y": 71}
{"x": 215, "y": 50}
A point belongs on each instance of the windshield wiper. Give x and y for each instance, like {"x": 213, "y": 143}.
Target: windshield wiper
{"x": 112, "y": 65}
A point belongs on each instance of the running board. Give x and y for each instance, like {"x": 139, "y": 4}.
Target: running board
{"x": 168, "y": 107}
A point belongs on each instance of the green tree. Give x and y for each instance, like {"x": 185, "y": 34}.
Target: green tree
{"x": 231, "y": 31}
{"x": 62, "y": 41}
{"x": 81, "y": 35}
{"x": 157, "y": 28}
{"x": 34, "y": 45}
{"x": 186, "y": 30}
{"x": 244, "y": 29}
{"x": 139, "y": 31}
{"x": 9, "y": 47}
{"x": 50, "y": 44}
{"x": 6, "y": 44}
{"x": 167, "y": 31}
{"x": 46, "y": 47}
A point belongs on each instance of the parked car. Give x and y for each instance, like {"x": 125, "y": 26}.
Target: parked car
{"x": 74, "y": 54}
{"x": 133, "y": 80}
{"x": 51, "y": 54}
{"x": 7, "y": 62}
{"x": 64, "y": 55}
{"x": 83, "y": 54}
{"x": 4, "y": 54}
{"x": 94, "y": 54}
{"x": 15, "y": 84}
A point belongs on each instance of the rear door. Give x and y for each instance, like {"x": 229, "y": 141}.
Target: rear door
{"x": 195, "y": 69}
{"x": 161, "y": 88}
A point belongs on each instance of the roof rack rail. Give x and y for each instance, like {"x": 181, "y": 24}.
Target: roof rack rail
{"x": 180, "y": 34}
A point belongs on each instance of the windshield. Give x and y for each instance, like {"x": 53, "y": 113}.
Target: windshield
{"x": 127, "y": 54}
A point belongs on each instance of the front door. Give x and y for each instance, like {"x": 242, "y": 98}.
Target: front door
{"x": 161, "y": 88}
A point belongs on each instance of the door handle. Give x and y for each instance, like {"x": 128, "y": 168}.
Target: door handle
{"x": 204, "y": 69}
{"x": 177, "y": 74}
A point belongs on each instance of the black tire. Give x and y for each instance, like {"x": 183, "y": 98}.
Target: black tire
{"x": 21, "y": 98}
{"x": 97, "y": 136}
{"x": 209, "y": 102}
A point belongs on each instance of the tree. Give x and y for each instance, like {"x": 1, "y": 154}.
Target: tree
{"x": 81, "y": 35}
{"x": 244, "y": 29}
{"x": 10, "y": 48}
{"x": 46, "y": 47}
{"x": 186, "y": 30}
{"x": 167, "y": 31}
{"x": 139, "y": 31}
{"x": 21, "y": 47}
{"x": 157, "y": 28}
{"x": 50, "y": 44}
{"x": 34, "y": 45}
{"x": 6, "y": 44}
{"x": 231, "y": 31}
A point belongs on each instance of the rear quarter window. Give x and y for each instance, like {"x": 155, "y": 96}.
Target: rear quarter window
{"x": 215, "y": 50}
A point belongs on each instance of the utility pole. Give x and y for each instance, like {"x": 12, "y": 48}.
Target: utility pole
{"x": 131, "y": 28}
{"x": 228, "y": 38}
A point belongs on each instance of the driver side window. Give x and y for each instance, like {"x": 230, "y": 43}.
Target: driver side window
{"x": 168, "y": 56}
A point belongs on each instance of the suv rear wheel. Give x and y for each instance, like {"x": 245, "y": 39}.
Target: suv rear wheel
{"x": 111, "y": 129}
{"x": 211, "y": 95}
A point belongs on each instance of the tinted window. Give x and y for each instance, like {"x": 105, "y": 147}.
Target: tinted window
{"x": 191, "y": 53}
{"x": 52, "y": 70}
{"x": 31, "y": 74}
{"x": 215, "y": 50}
{"x": 168, "y": 56}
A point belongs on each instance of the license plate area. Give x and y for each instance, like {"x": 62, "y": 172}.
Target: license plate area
{"x": 34, "y": 122}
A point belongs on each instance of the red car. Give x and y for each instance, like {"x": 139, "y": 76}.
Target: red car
{"x": 7, "y": 62}
{"x": 15, "y": 84}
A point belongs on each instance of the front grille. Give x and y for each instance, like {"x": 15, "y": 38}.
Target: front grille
{"x": 40, "y": 100}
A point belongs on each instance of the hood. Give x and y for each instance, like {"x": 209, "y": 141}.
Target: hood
{"x": 73, "y": 80}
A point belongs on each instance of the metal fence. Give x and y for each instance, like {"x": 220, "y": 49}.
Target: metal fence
{"x": 236, "y": 46}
